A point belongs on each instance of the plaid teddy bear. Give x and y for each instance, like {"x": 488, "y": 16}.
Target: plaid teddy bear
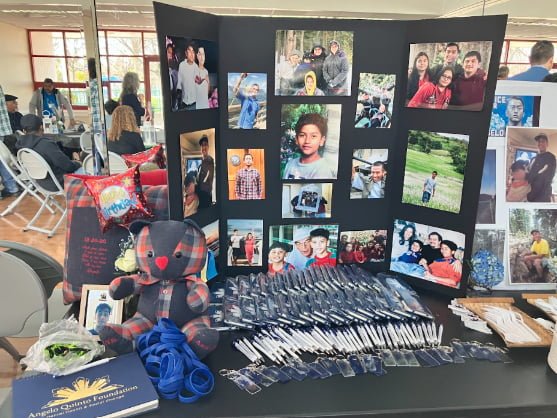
{"x": 169, "y": 255}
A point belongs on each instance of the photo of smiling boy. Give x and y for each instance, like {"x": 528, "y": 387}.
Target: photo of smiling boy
{"x": 311, "y": 133}
{"x": 277, "y": 262}
{"x": 321, "y": 255}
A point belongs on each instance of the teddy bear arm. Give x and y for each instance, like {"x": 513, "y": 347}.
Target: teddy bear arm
{"x": 198, "y": 296}
{"x": 124, "y": 286}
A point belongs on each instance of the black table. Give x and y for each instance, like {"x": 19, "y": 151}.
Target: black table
{"x": 527, "y": 387}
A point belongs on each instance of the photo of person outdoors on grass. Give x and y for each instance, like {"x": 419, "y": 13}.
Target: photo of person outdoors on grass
{"x": 435, "y": 166}
{"x": 427, "y": 252}
{"x": 451, "y": 75}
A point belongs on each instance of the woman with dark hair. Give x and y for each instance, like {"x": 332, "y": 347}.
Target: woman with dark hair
{"x": 447, "y": 270}
{"x": 347, "y": 255}
{"x": 402, "y": 244}
{"x": 359, "y": 256}
{"x": 419, "y": 75}
{"x": 435, "y": 96}
{"x": 129, "y": 96}
{"x": 124, "y": 136}
{"x": 249, "y": 246}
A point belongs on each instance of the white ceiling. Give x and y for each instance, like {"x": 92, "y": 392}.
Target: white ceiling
{"x": 532, "y": 19}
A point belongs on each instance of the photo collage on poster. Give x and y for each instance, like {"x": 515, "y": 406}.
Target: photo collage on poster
{"x": 519, "y": 227}
{"x": 318, "y": 65}
{"x": 192, "y": 67}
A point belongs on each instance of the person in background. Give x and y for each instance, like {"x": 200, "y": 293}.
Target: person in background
{"x": 124, "y": 136}
{"x": 310, "y": 86}
{"x": 109, "y": 108}
{"x": 450, "y": 60}
{"x": 48, "y": 99}
{"x": 102, "y": 315}
{"x": 15, "y": 116}
{"x": 419, "y": 74}
{"x": 435, "y": 96}
{"x": 277, "y": 262}
{"x": 10, "y": 185}
{"x": 202, "y": 83}
{"x": 205, "y": 175}
{"x": 249, "y": 104}
{"x": 541, "y": 61}
{"x": 541, "y": 172}
{"x": 469, "y": 87}
{"x": 503, "y": 73}
{"x": 249, "y": 247}
{"x": 47, "y": 148}
{"x": 335, "y": 70}
{"x": 172, "y": 75}
{"x": 191, "y": 200}
{"x": 129, "y": 96}
{"x": 248, "y": 181}
{"x": 319, "y": 245}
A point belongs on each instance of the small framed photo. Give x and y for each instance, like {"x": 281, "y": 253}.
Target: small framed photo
{"x": 309, "y": 199}
{"x": 98, "y": 308}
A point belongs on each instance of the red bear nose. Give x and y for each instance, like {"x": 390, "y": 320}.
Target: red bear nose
{"x": 161, "y": 262}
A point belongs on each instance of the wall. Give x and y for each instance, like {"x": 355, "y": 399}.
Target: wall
{"x": 15, "y": 71}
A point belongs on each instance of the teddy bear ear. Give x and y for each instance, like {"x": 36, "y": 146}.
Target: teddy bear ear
{"x": 138, "y": 225}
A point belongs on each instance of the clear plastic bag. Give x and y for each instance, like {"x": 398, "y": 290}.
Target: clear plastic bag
{"x": 63, "y": 347}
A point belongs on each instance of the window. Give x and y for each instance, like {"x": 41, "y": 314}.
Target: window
{"x": 60, "y": 55}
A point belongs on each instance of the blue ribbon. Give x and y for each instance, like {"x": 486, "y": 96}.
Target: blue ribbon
{"x": 173, "y": 367}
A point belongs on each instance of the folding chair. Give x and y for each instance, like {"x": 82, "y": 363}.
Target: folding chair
{"x": 37, "y": 168}
{"x": 86, "y": 142}
{"x": 12, "y": 166}
{"x": 116, "y": 163}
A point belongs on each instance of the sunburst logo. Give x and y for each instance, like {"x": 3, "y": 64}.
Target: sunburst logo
{"x": 81, "y": 388}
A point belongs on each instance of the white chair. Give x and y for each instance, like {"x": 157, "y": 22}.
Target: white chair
{"x": 89, "y": 165}
{"x": 116, "y": 163}
{"x": 36, "y": 168}
{"x": 86, "y": 142}
{"x": 12, "y": 166}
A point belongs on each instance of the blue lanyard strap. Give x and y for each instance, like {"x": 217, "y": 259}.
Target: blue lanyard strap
{"x": 173, "y": 367}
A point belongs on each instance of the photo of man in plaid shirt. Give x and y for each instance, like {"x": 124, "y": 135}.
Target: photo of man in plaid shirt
{"x": 248, "y": 181}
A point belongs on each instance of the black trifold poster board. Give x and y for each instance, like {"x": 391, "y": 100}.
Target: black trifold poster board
{"x": 251, "y": 45}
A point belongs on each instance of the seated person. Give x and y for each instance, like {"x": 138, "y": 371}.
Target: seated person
{"x": 109, "y": 108}
{"x": 277, "y": 262}
{"x": 319, "y": 244}
{"x": 47, "y": 148}
{"x": 414, "y": 254}
{"x": 102, "y": 315}
{"x": 347, "y": 255}
{"x": 124, "y": 136}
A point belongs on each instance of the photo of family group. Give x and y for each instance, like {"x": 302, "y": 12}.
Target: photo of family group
{"x": 434, "y": 173}
{"x": 310, "y": 136}
{"x": 487, "y": 202}
{"x": 313, "y": 63}
{"x": 450, "y": 75}
{"x": 245, "y": 240}
{"x": 192, "y": 68}
{"x": 247, "y": 100}
{"x": 302, "y": 200}
{"x": 246, "y": 173}
{"x": 532, "y": 246}
{"x": 513, "y": 111}
{"x": 374, "y": 108}
{"x": 427, "y": 252}
{"x": 531, "y": 165}
{"x": 358, "y": 247}
{"x": 301, "y": 246}
{"x": 369, "y": 173}
{"x": 197, "y": 151}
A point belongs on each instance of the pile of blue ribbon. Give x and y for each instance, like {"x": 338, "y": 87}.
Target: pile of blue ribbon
{"x": 173, "y": 367}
